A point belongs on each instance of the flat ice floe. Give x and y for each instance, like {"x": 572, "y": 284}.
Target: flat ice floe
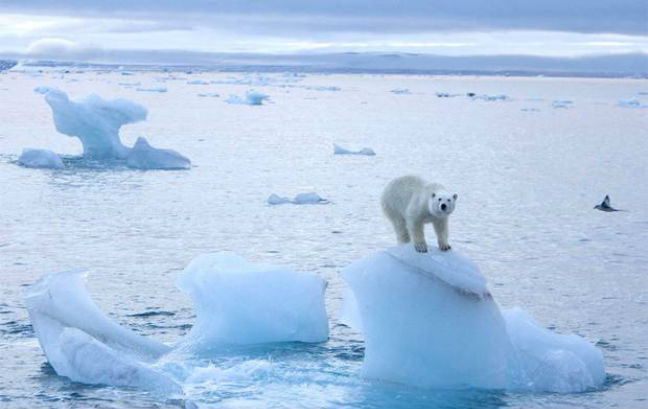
{"x": 40, "y": 158}
{"x": 338, "y": 150}
{"x": 96, "y": 122}
{"x": 428, "y": 320}
{"x": 299, "y": 199}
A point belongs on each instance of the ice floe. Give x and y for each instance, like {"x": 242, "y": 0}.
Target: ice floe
{"x": 40, "y": 158}
{"x": 299, "y": 199}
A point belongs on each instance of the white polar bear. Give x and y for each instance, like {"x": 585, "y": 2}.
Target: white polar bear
{"x": 409, "y": 202}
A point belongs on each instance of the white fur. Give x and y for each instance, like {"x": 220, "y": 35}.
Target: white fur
{"x": 409, "y": 202}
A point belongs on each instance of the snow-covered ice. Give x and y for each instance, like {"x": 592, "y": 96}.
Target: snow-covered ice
{"x": 251, "y": 98}
{"x": 239, "y": 302}
{"x": 144, "y": 156}
{"x": 338, "y": 150}
{"x": 40, "y": 158}
{"x": 428, "y": 320}
{"x": 299, "y": 199}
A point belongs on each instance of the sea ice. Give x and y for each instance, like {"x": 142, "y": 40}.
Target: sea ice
{"x": 209, "y": 94}
{"x": 240, "y": 303}
{"x": 300, "y": 199}
{"x": 83, "y": 344}
{"x": 144, "y": 156}
{"x": 251, "y": 98}
{"x": 428, "y": 320}
{"x": 561, "y": 103}
{"x": 40, "y": 158}
{"x": 338, "y": 150}
{"x": 401, "y": 91}
{"x": 485, "y": 97}
{"x": 197, "y": 82}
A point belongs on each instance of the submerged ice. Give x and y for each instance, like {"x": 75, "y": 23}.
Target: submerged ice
{"x": 40, "y": 158}
{"x": 97, "y": 121}
{"x": 428, "y": 320}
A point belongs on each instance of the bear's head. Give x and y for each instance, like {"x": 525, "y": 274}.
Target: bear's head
{"x": 441, "y": 204}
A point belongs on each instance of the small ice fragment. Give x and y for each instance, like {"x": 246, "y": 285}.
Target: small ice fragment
{"x": 401, "y": 91}
{"x": 40, "y": 158}
{"x": 277, "y": 200}
{"x": 152, "y": 89}
{"x": 338, "y": 150}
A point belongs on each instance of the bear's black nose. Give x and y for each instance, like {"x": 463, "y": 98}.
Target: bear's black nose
{"x": 443, "y": 206}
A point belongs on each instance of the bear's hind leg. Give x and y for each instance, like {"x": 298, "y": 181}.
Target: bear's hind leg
{"x": 400, "y": 226}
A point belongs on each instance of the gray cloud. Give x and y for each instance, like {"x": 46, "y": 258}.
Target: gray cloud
{"x": 325, "y": 16}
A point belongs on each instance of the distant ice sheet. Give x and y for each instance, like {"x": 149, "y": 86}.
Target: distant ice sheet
{"x": 428, "y": 320}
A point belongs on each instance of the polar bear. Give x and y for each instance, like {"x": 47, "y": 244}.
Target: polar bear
{"x": 409, "y": 202}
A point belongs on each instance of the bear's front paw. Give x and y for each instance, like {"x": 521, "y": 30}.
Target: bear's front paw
{"x": 421, "y": 247}
{"x": 444, "y": 247}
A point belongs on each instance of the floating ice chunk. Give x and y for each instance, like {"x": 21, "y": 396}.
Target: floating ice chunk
{"x": 127, "y": 73}
{"x": 95, "y": 121}
{"x": 82, "y": 343}
{"x": 300, "y": 199}
{"x": 40, "y": 158}
{"x": 197, "y": 82}
{"x": 330, "y": 88}
{"x": 485, "y": 97}
{"x": 444, "y": 95}
{"x": 338, "y": 150}
{"x": 428, "y": 320}
{"x": 209, "y": 94}
{"x": 238, "y": 302}
{"x": 42, "y": 90}
{"x": 144, "y": 156}
{"x": 561, "y": 103}
{"x": 277, "y": 200}
{"x": 152, "y": 89}
{"x": 401, "y": 91}
{"x": 251, "y": 98}
{"x": 629, "y": 103}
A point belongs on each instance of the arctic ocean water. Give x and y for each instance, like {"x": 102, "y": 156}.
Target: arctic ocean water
{"x": 527, "y": 170}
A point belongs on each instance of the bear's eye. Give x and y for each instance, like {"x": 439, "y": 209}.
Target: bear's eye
{"x": 439, "y": 199}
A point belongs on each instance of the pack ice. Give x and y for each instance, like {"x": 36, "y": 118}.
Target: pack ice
{"x": 429, "y": 320}
{"x": 96, "y": 122}
{"x": 237, "y": 302}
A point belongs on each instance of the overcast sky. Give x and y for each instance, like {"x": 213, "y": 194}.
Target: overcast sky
{"x": 559, "y": 28}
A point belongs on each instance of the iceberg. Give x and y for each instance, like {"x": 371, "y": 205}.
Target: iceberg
{"x": 96, "y": 122}
{"x": 338, "y": 150}
{"x": 40, "y": 158}
{"x": 144, "y": 156}
{"x": 428, "y": 320}
{"x": 83, "y": 344}
{"x": 300, "y": 199}
{"x": 240, "y": 303}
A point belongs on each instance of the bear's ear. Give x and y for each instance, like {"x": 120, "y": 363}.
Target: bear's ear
{"x": 433, "y": 195}
{"x": 455, "y": 196}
